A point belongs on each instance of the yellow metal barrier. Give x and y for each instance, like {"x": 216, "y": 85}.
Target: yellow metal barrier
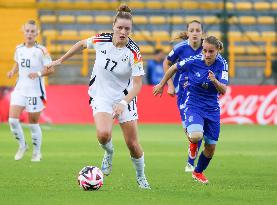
{"x": 234, "y": 51}
{"x": 248, "y": 39}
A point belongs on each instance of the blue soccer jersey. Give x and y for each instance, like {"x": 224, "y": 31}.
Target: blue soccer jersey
{"x": 201, "y": 92}
{"x": 181, "y": 51}
{"x": 202, "y": 111}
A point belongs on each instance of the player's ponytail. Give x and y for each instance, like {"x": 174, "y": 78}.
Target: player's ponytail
{"x": 123, "y": 12}
{"x": 181, "y": 36}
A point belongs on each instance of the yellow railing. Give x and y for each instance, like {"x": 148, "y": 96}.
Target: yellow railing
{"x": 267, "y": 50}
{"x": 234, "y": 50}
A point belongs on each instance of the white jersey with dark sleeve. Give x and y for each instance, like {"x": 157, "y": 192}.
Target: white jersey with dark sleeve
{"x": 113, "y": 68}
{"x": 31, "y": 60}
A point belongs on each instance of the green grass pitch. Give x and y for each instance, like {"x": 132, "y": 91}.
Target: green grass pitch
{"x": 243, "y": 170}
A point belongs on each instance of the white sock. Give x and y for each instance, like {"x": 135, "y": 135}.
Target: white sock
{"x": 36, "y": 137}
{"x": 108, "y": 147}
{"x": 17, "y": 131}
{"x": 139, "y": 165}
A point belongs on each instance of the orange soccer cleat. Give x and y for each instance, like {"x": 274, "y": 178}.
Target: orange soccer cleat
{"x": 200, "y": 177}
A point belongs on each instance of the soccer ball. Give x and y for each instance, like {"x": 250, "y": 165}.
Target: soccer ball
{"x": 90, "y": 178}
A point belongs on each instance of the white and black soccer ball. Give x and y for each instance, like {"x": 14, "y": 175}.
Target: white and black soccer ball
{"x": 90, "y": 178}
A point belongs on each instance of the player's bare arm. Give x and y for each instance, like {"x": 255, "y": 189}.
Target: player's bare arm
{"x": 158, "y": 89}
{"x": 76, "y": 48}
{"x": 13, "y": 71}
{"x": 170, "y": 89}
{"x": 45, "y": 72}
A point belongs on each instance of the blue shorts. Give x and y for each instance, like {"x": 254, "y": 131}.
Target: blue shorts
{"x": 181, "y": 107}
{"x": 208, "y": 122}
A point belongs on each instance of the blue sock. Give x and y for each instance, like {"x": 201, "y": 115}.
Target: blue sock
{"x": 203, "y": 163}
{"x": 191, "y": 161}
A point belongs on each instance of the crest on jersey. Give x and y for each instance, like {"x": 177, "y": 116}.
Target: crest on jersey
{"x": 125, "y": 58}
{"x": 205, "y": 85}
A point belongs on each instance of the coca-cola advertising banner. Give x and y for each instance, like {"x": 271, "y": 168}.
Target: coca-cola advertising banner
{"x": 69, "y": 104}
{"x": 249, "y": 104}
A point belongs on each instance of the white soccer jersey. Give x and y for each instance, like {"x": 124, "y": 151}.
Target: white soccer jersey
{"x": 113, "y": 69}
{"x": 31, "y": 60}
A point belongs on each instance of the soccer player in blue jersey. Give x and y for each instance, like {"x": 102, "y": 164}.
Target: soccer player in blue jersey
{"x": 207, "y": 79}
{"x": 190, "y": 46}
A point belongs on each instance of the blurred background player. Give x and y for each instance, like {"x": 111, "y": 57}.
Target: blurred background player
{"x": 207, "y": 79}
{"x": 155, "y": 70}
{"x": 29, "y": 92}
{"x": 115, "y": 82}
{"x": 190, "y": 45}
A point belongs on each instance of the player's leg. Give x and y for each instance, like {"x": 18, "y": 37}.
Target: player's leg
{"x": 34, "y": 107}
{"x": 211, "y": 134}
{"x": 104, "y": 124}
{"x": 128, "y": 124}
{"x": 192, "y": 154}
{"x": 17, "y": 105}
{"x": 194, "y": 123}
{"x": 130, "y": 133}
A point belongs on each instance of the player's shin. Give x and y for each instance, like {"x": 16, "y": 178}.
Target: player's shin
{"x": 203, "y": 163}
{"x": 17, "y": 131}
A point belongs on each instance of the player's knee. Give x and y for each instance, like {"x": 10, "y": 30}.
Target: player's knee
{"x": 103, "y": 135}
{"x": 14, "y": 122}
{"x": 195, "y": 136}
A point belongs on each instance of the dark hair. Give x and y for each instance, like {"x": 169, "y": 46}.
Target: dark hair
{"x": 184, "y": 35}
{"x": 123, "y": 12}
{"x": 214, "y": 41}
{"x": 157, "y": 51}
{"x": 31, "y": 21}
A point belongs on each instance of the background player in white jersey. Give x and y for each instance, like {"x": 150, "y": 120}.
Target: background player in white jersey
{"x": 115, "y": 82}
{"x": 29, "y": 92}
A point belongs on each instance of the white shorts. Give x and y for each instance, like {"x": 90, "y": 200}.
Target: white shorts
{"x": 31, "y": 104}
{"x": 129, "y": 114}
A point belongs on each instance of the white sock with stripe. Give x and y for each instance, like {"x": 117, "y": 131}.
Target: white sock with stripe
{"x": 17, "y": 131}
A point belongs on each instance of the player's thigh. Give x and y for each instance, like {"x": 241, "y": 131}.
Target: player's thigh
{"x": 104, "y": 124}
{"x": 15, "y": 111}
{"x": 194, "y": 123}
{"x": 130, "y": 131}
{"x": 17, "y": 105}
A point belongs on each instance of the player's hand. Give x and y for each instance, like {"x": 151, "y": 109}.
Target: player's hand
{"x": 33, "y": 75}
{"x": 211, "y": 76}
{"x": 10, "y": 74}
{"x": 54, "y": 63}
{"x": 118, "y": 110}
{"x": 158, "y": 90}
{"x": 171, "y": 90}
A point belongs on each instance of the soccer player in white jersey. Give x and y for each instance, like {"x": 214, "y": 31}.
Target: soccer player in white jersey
{"x": 115, "y": 82}
{"x": 31, "y": 59}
